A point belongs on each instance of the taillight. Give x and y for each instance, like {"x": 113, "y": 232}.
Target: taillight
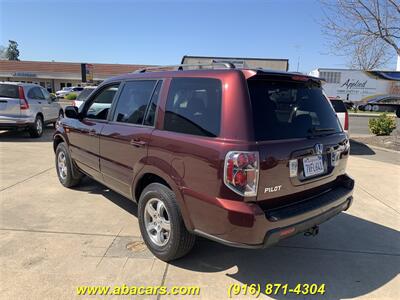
{"x": 241, "y": 172}
{"x": 23, "y": 104}
{"x": 346, "y": 121}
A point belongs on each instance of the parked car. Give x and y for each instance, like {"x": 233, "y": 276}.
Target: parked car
{"x": 27, "y": 106}
{"x": 386, "y": 103}
{"x": 68, "y": 90}
{"x": 341, "y": 112}
{"x": 87, "y": 90}
{"x": 244, "y": 157}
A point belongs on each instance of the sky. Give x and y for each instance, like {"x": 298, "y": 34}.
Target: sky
{"x": 161, "y": 32}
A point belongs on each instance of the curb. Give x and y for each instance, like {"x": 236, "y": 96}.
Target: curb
{"x": 368, "y": 115}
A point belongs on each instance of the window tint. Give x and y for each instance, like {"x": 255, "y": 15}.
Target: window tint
{"x": 284, "y": 110}
{"x": 35, "y": 93}
{"x": 101, "y": 104}
{"x": 338, "y": 106}
{"x": 84, "y": 95}
{"x": 9, "y": 91}
{"x": 132, "y": 103}
{"x": 194, "y": 106}
{"x": 151, "y": 110}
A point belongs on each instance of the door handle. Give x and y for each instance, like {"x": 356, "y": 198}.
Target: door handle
{"x": 137, "y": 143}
{"x": 92, "y": 132}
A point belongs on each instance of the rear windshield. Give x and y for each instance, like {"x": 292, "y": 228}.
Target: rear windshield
{"x": 84, "y": 94}
{"x": 9, "y": 91}
{"x": 284, "y": 110}
{"x": 338, "y": 106}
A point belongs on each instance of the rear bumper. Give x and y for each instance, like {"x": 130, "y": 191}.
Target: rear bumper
{"x": 248, "y": 226}
{"x": 15, "y": 122}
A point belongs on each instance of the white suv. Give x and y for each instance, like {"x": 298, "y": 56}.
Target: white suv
{"x": 27, "y": 106}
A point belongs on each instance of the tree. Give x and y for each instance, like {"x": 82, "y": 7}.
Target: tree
{"x": 12, "y": 51}
{"x": 366, "y": 31}
{"x": 3, "y": 55}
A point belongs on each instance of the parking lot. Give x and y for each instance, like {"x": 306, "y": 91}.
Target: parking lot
{"x": 54, "y": 239}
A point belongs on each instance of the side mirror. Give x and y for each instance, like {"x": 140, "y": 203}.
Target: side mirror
{"x": 71, "y": 112}
{"x": 52, "y": 97}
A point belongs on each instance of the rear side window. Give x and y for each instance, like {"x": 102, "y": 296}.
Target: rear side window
{"x": 338, "y": 106}
{"x": 132, "y": 104}
{"x": 284, "y": 110}
{"x": 194, "y": 106}
{"x": 9, "y": 91}
{"x": 35, "y": 93}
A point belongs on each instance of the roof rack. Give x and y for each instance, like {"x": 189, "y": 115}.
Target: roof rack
{"x": 180, "y": 67}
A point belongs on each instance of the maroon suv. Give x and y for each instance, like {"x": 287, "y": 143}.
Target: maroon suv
{"x": 240, "y": 156}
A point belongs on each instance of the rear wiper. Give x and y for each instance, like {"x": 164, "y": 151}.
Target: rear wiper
{"x": 321, "y": 131}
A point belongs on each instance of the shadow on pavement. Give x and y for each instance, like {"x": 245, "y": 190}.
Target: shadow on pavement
{"x": 357, "y": 148}
{"x": 23, "y": 135}
{"x": 90, "y": 186}
{"x": 352, "y": 256}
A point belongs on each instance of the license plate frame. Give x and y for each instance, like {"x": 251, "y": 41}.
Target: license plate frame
{"x": 313, "y": 166}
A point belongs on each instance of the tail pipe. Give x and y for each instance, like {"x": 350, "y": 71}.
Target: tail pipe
{"x": 313, "y": 231}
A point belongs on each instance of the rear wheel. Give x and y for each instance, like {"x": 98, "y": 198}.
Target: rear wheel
{"x": 36, "y": 130}
{"x": 68, "y": 174}
{"x": 161, "y": 223}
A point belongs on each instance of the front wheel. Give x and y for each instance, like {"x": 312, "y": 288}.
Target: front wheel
{"x": 68, "y": 174}
{"x": 60, "y": 116}
{"x": 161, "y": 223}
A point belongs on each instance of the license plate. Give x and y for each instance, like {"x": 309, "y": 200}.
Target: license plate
{"x": 313, "y": 165}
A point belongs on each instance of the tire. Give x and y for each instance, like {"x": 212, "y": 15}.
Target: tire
{"x": 173, "y": 245}
{"x": 375, "y": 108}
{"x": 67, "y": 173}
{"x": 398, "y": 112}
{"x": 36, "y": 130}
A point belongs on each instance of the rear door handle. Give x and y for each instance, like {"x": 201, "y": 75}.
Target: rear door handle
{"x": 92, "y": 132}
{"x": 137, "y": 143}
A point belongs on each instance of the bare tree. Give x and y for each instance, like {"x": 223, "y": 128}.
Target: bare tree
{"x": 366, "y": 31}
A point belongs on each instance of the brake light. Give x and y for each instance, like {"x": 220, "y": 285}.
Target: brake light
{"x": 241, "y": 172}
{"x": 300, "y": 78}
{"x": 23, "y": 103}
{"x": 346, "y": 121}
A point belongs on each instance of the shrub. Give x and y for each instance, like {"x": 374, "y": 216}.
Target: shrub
{"x": 383, "y": 125}
{"x": 71, "y": 96}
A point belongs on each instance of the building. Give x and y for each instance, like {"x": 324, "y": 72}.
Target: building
{"x": 56, "y": 75}
{"x": 277, "y": 64}
{"x": 358, "y": 85}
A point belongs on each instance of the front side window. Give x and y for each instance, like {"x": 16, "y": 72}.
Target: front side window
{"x": 151, "y": 110}
{"x": 101, "y": 104}
{"x": 133, "y": 101}
{"x": 194, "y": 106}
